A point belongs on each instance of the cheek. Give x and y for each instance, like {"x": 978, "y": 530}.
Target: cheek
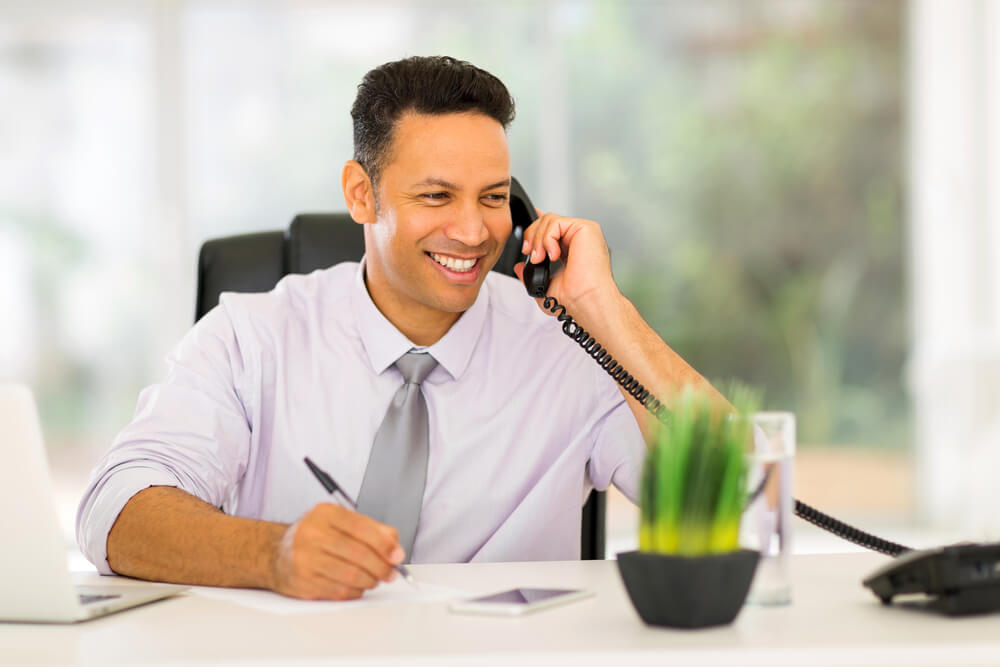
{"x": 399, "y": 241}
{"x": 416, "y": 228}
{"x": 499, "y": 223}
{"x": 392, "y": 237}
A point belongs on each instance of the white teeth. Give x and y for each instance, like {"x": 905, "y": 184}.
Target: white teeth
{"x": 453, "y": 263}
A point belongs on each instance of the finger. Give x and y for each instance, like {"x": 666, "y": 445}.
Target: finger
{"x": 359, "y": 539}
{"x": 532, "y": 233}
{"x": 551, "y": 244}
{"x": 548, "y": 236}
{"x": 561, "y": 238}
{"x": 528, "y": 239}
{"x": 536, "y": 249}
{"x": 324, "y": 588}
{"x": 381, "y": 538}
{"x": 347, "y": 573}
{"x": 346, "y": 548}
{"x": 313, "y": 578}
{"x": 339, "y": 592}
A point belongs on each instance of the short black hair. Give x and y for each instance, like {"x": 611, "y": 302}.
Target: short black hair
{"x": 425, "y": 84}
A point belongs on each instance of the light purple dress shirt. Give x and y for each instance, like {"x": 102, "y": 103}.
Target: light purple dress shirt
{"x": 522, "y": 422}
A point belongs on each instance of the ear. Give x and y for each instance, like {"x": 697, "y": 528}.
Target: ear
{"x": 358, "y": 193}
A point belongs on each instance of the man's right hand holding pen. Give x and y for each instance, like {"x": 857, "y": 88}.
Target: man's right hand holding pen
{"x": 334, "y": 553}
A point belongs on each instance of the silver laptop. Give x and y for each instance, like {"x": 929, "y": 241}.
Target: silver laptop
{"x": 35, "y": 581}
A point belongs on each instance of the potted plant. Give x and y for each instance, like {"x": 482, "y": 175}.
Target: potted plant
{"x": 689, "y": 570}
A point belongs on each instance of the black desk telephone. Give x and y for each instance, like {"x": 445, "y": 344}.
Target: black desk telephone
{"x": 964, "y": 578}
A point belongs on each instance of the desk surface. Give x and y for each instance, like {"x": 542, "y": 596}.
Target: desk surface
{"x": 833, "y": 620}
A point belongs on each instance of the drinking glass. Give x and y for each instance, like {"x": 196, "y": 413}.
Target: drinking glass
{"x": 767, "y": 520}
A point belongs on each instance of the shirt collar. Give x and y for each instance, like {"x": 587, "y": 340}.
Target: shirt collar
{"x": 384, "y": 343}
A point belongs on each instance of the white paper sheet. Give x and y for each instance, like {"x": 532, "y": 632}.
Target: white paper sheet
{"x": 398, "y": 592}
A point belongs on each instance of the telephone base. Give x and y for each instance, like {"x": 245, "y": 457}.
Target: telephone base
{"x": 956, "y": 580}
{"x": 974, "y": 601}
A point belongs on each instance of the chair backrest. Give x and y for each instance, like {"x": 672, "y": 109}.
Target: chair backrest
{"x": 255, "y": 263}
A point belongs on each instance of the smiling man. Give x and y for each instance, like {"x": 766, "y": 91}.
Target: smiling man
{"x": 515, "y": 424}
{"x": 440, "y": 219}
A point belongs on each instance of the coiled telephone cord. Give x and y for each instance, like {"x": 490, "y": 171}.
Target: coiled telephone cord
{"x": 604, "y": 359}
{"x": 635, "y": 389}
{"x": 848, "y": 532}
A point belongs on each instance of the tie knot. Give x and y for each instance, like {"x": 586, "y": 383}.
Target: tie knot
{"x": 415, "y": 366}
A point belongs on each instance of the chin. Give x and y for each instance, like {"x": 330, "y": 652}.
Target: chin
{"x": 456, "y": 305}
{"x": 455, "y": 300}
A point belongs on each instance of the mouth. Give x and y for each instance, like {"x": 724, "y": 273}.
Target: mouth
{"x": 455, "y": 263}
{"x": 457, "y": 269}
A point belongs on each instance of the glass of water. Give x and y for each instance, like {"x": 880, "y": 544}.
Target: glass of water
{"x": 767, "y": 520}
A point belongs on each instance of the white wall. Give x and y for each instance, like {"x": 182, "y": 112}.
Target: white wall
{"x": 954, "y": 205}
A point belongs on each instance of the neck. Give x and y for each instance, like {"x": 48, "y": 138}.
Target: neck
{"x": 421, "y": 325}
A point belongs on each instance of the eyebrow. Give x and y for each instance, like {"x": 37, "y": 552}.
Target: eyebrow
{"x": 451, "y": 186}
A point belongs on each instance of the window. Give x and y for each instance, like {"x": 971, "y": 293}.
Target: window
{"x": 745, "y": 159}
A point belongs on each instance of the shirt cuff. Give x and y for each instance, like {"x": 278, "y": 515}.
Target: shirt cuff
{"x": 105, "y": 503}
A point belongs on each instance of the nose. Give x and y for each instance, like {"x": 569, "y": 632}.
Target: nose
{"x": 469, "y": 226}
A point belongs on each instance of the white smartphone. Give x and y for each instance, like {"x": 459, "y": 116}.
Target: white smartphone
{"x": 518, "y": 601}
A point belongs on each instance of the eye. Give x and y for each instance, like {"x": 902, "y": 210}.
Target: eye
{"x": 435, "y": 196}
{"x": 496, "y": 199}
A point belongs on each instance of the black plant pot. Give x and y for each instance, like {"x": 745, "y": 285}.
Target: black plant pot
{"x": 688, "y": 592}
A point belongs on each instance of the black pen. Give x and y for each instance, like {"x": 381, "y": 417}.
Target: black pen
{"x": 332, "y": 487}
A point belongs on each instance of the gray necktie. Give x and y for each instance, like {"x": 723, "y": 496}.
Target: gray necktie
{"x": 393, "y": 488}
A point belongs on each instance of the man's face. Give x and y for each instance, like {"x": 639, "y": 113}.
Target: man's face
{"x": 443, "y": 216}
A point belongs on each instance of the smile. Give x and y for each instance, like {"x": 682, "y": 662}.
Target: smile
{"x": 454, "y": 263}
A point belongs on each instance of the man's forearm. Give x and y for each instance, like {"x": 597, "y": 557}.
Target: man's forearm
{"x": 165, "y": 534}
{"x": 615, "y": 323}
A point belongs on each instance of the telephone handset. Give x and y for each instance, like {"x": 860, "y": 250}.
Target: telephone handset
{"x": 536, "y": 276}
{"x": 536, "y": 281}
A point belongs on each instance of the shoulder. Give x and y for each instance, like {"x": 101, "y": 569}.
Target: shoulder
{"x": 293, "y": 295}
{"x": 298, "y": 301}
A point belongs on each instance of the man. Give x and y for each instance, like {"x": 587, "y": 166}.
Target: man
{"x": 207, "y": 485}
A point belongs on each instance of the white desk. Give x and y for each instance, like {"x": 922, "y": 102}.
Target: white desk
{"x": 833, "y": 620}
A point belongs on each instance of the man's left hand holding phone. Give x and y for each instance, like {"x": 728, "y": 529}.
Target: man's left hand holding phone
{"x": 330, "y": 553}
{"x": 585, "y": 284}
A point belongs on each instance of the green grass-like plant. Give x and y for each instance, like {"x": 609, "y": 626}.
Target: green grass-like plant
{"x": 694, "y": 477}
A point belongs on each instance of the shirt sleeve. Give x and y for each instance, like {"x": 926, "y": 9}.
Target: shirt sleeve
{"x": 619, "y": 448}
{"x": 191, "y": 431}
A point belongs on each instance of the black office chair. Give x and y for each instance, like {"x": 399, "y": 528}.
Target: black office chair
{"x": 255, "y": 262}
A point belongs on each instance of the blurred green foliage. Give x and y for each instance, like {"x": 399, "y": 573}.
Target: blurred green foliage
{"x": 747, "y": 166}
